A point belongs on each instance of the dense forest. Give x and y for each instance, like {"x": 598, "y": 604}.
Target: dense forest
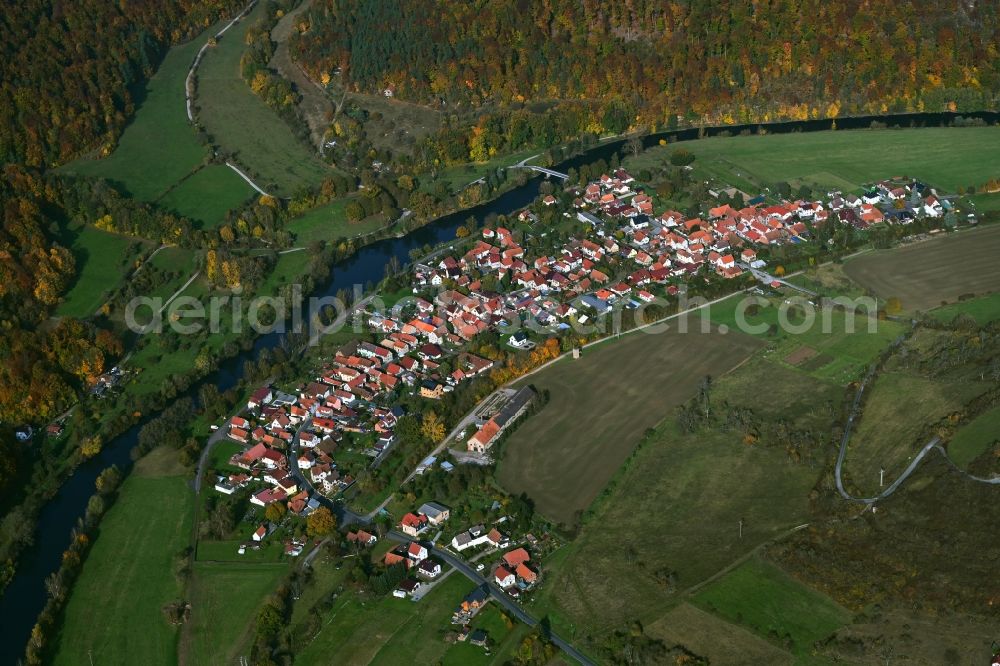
{"x": 648, "y": 61}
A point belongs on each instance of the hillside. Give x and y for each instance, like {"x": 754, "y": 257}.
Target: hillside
{"x": 720, "y": 59}
{"x": 71, "y": 72}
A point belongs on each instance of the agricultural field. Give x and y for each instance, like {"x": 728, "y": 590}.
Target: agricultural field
{"x": 599, "y": 407}
{"x": 242, "y": 124}
{"x": 946, "y": 158}
{"x": 975, "y": 438}
{"x": 159, "y": 147}
{"x": 224, "y": 599}
{"x": 114, "y": 611}
{"x": 671, "y": 517}
{"x": 712, "y": 637}
{"x": 763, "y": 598}
{"x": 931, "y": 273}
{"x": 207, "y": 195}
{"x": 102, "y": 259}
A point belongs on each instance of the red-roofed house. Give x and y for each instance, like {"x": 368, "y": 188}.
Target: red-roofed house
{"x": 504, "y": 578}
{"x": 516, "y": 557}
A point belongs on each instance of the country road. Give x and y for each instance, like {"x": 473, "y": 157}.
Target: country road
{"x": 465, "y": 569}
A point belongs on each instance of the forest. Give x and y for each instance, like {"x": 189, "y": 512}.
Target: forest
{"x": 645, "y": 62}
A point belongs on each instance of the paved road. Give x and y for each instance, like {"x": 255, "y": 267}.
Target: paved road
{"x": 465, "y": 569}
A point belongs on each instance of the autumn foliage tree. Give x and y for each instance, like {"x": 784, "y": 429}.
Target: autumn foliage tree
{"x": 320, "y": 522}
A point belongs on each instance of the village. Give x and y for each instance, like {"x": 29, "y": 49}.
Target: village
{"x": 301, "y": 450}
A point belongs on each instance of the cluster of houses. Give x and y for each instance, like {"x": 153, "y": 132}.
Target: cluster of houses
{"x": 410, "y": 354}
{"x": 891, "y": 202}
{"x": 514, "y": 575}
{"x": 625, "y": 249}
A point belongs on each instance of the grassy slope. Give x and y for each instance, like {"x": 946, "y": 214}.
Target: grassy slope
{"x": 102, "y": 259}
{"x": 158, "y": 148}
{"x": 983, "y": 309}
{"x": 763, "y": 598}
{"x": 114, "y": 612}
{"x": 898, "y": 409}
{"x": 208, "y": 195}
{"x": 599, "y": 406}
{"x": 944, "y": 157}
{"x": 975, "y": 437}
{"x": 241, "y": 123}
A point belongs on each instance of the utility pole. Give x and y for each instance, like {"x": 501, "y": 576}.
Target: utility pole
{"x": 741, "y": 528}
{"x": 881, "y": 477}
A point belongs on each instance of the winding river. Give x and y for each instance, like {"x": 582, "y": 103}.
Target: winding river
{"x": 25, "y": 596}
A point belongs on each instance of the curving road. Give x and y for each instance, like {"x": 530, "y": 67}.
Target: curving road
{"x": 933, "y": 445}
{"x": 466, "y": 570}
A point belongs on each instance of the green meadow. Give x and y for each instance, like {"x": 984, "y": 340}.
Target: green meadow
{"x": 946, "y": 157}
{"x": 114, "y": 613}
{"x": 158, "y": 148}
{"x": 763, "y": 598}
{"x": 241, "y": 123}
{"x": 207, "y": 195}
{"x": 102, "y": 259}
{"x": 975, "y": 438}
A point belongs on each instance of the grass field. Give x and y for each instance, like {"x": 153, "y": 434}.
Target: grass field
{"x": 765, "y": 599}
{"x": 712, "y": 637}
{"x": 224, "y": 600}
{"x": 114, "y": 611}
{"x": 944, "y": 157}
{"x": 102, "y": 259}
{"x": 393, "y": 631}
{"x": 828, "y": 344}
{"x": 158, "y": 148}
{"x": 674, "y": 510}
{"x": 599, "y": 407}
{"x": 329, "y": 222}
{"x": 208, "y": 195}
{"x": 241, "y": 123}
{"x": 924, "y": 275}
{"x": 975, "y": 438}
{"x": 983, "y": 309}
{"x": 899, "y": 407}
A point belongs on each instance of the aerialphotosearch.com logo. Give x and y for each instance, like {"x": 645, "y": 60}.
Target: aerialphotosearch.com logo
{"x": 318, "y": 316}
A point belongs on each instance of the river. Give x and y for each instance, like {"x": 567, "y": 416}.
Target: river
{"x": 25, "y": 595}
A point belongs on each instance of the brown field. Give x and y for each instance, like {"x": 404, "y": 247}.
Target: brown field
{"x": 715, "y": 639}
{"x": 599, "y": 407}
{"x": 925, "y": 274}
{"x": 800, "y": 355}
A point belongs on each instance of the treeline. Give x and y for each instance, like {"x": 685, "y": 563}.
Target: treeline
{"x": 720, "y": 60}
{"x": 69, "y": 70}
{"x": 276, "y": 91}
{"x": 59, "y": 584}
